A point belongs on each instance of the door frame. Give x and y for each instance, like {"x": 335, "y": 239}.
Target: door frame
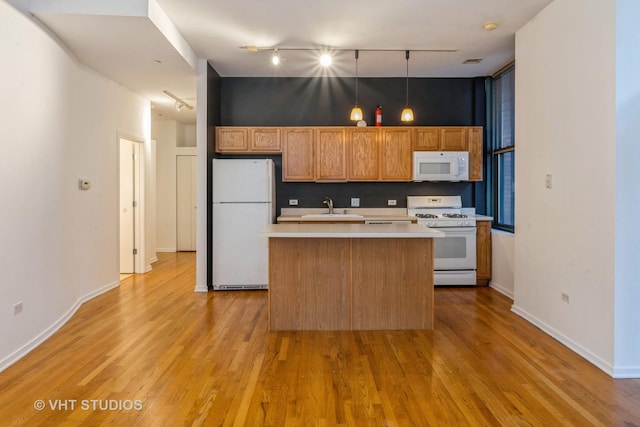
{"x": 139, "y": 197}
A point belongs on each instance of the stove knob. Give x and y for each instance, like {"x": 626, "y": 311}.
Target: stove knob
{"x": 460, "y": 223}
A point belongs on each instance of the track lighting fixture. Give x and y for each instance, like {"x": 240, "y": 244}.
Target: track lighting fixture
{"x": 326, "y": 60}
{"x": 180, "y": 104}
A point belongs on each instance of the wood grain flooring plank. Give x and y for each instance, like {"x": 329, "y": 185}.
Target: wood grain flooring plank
{"x": 208, "y": 359}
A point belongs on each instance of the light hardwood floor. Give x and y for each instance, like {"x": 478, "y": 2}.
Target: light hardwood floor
{"x": 208, "y": 359}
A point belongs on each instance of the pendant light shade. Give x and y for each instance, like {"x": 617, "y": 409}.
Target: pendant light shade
{"x": 407, "y": 113}
{"x": 356, "y": 112}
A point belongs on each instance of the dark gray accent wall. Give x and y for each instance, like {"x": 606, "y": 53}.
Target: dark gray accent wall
{"x": 327, "y": 101}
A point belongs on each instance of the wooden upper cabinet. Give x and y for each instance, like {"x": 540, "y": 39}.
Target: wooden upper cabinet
{"x": 340, "y": 153}
{"x": 231, "y": 139}
{"x": 427, "y": 139}
{"x": 297, "y": 154}
{"x": 364, "y": 154}
{"x": 434, "y": 138}
{"x": 265, "y": 140}
{"x": 396, "y": 154}
{"x": 453, "y": 139}
{"x": 475, "y": 153}
{"x": 330, "y": 152}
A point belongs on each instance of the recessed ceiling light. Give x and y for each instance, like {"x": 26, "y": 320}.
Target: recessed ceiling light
{"x": 490, "y": 26}
{"x": 472, "y": 61}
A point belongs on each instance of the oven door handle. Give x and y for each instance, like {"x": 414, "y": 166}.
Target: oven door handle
{"x": 456, "y": 230}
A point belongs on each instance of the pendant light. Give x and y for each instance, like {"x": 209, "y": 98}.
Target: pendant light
{"x": 356, "y": 112}
{"x": 407, "y": 113}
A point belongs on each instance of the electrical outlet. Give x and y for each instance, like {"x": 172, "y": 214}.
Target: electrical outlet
{"x": 549, "y": 181}
{"x": 391, "y": 202}
{"x": 293, "y": 202}
{"x": 565, "y": 297}
{"x": 17, "y": 307}
{"x": 355, "y": 202}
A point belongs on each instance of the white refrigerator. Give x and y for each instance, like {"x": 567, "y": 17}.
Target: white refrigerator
{"x": 243, "y": 204}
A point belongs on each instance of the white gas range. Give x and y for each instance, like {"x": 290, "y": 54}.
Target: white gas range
{"x": 455, "y": 255}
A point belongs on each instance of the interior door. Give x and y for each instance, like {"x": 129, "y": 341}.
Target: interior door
{"x": 186, "y": 203}
{"x": 127, "y": 214}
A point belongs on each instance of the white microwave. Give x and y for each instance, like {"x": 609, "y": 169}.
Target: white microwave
{"x": 440, "y": 165}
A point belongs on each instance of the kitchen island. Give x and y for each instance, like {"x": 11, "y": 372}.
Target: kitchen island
{"x": 350, "y": 276}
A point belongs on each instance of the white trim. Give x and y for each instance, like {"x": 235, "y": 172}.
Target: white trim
{"x": 200, "y": 288}
{"x": 44, "y": 335}
{"x": 626, "y": 372}
{"x": 154, "y": 259}
{"x": 166, "y": 250}
{"x": 568, "y": 342}
{"x": 504, "y": 291}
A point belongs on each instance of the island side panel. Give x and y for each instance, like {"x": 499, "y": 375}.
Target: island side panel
{"x": 392, "y": 284}
{"x": 309, "y": 284}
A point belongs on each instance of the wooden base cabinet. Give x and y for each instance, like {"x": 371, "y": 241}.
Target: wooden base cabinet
{"x": 350, "y": 284}
{"x": 483, "y": 253}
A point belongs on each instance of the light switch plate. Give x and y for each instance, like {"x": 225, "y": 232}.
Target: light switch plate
{"x": 355, "y": 202}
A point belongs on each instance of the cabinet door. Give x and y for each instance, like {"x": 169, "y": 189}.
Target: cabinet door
{"x": 231, "y": 139}
{"x": 330, "y": 154}
{"x": 297, "y": 154}
{"x": 453, "y": 139}
{"x": 264, "y": 140}
{"x": 475, "y": 153}
{"x": 396, "y": 154}
{"x": 483, "y": 252}
{"x": 364, "y": 155}
{"x": 427, "y": 139}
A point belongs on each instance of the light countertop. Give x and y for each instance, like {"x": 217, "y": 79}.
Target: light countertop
{"x": 366, "y": 214}
{"x": 355, "y": 231}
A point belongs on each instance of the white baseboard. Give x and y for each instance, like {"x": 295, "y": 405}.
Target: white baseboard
{"x": 504, "y": 291}
{"x": 625, "y": 372}
{"x": 154, "y": 259}
{"x": 44, "y": 335}
{"x": 201, "y": 288}
{"x": 166, "y": 250}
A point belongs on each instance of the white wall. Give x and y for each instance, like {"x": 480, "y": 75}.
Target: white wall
{"x": 59, "y": 244}
{"x": 502, "y": 262}
{"x": 169, "y": 135}
{"x": 627, "y": 249}
{"x": 565, "y": 237}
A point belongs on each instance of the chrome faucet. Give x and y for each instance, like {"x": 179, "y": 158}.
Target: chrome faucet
{"x": 327, "y": 201}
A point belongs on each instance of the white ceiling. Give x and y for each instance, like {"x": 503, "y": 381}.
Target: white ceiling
{"x": 124, "y": 48}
